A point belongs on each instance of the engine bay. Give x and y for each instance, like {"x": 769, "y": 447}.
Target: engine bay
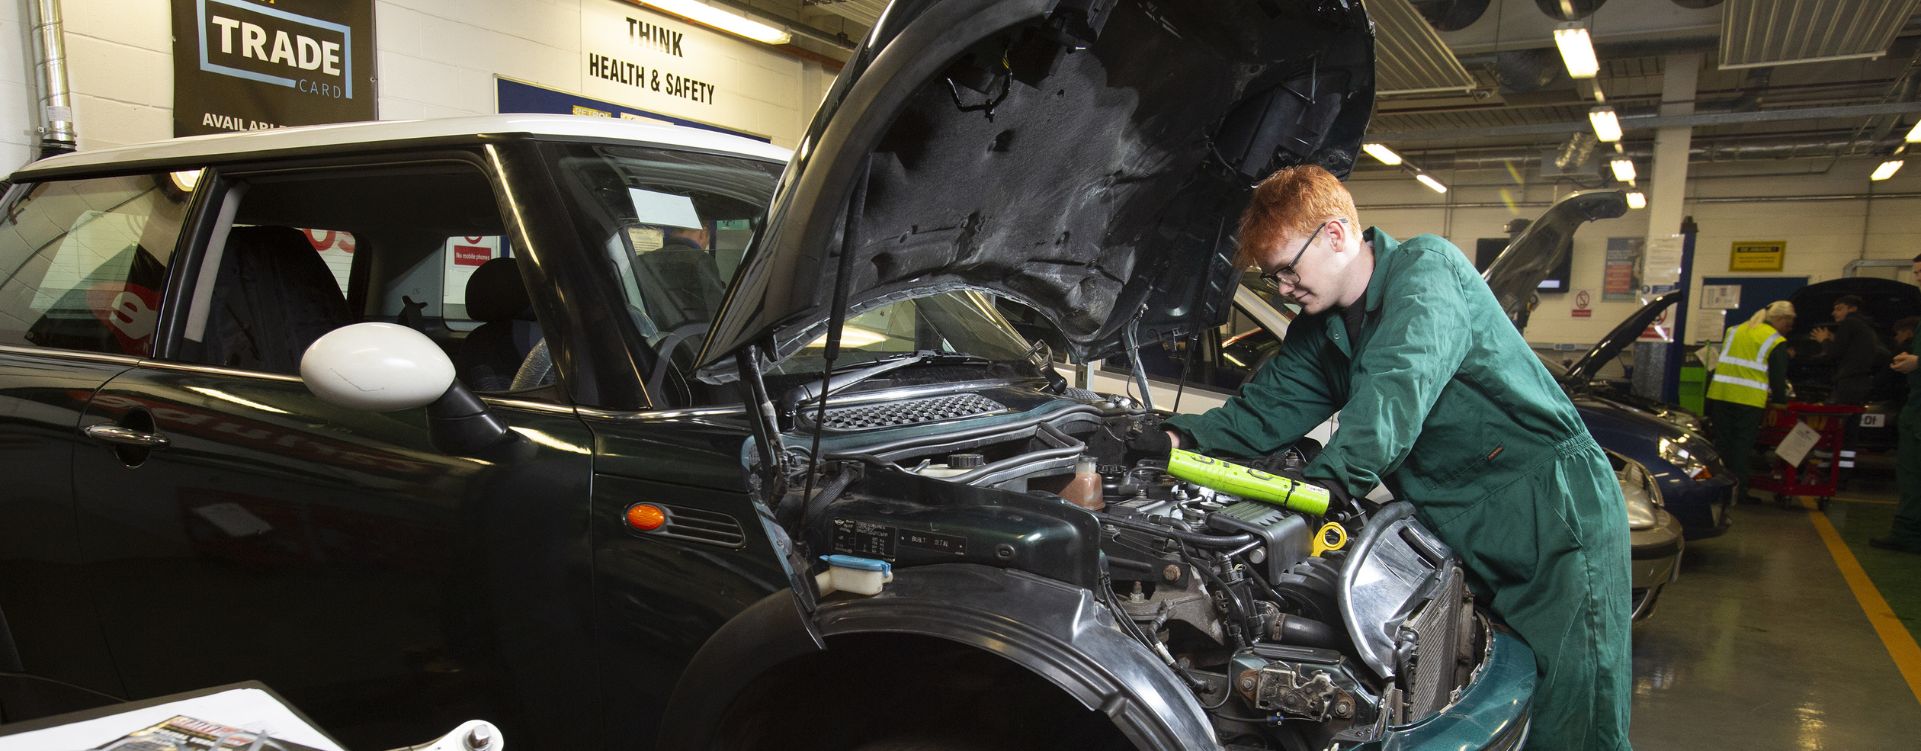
{"x": 1292, "y": 629}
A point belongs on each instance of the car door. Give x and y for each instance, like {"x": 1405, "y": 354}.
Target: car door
{"x": 81, "y": 265}
{"x": 243, "y": 529}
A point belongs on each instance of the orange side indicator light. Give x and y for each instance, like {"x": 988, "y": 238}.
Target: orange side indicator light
{"x": 646, "y": 517}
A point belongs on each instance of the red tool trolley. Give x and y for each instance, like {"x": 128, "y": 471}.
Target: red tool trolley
{"x": 1818, "y": 470}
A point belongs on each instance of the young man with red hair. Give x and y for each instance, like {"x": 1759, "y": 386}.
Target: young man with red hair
{"x": 1442, "y": 400}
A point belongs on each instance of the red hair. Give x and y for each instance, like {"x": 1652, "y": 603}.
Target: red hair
{"x": 1292, "y": 200}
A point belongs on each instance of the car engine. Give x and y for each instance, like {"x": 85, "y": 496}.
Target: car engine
{"x": 1293, "y": 630}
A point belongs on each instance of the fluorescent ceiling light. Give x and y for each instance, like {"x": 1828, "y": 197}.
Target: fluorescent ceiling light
{"x": 1576, "y": 51}
{"x": 1623, "y": 169}
{"x": 1637, "y": 200}
{"x": 1607, "y": 126}
{"x": 1382, "y": 153}
{"x": 1431, "y": 183}
{"x": 1914, "y": 133}
{"x": 1886, "y": 170}
{"x": 723, "y": 19}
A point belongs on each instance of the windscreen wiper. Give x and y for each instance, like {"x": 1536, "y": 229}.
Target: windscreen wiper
{"x": 856, "y": 373}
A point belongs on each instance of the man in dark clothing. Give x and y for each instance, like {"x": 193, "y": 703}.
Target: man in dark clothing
{"x": 1905, "y": 534}
{"x": 1855, "y": 351}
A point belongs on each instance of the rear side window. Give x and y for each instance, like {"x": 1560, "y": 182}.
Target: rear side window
{"x": 82, "y": 262}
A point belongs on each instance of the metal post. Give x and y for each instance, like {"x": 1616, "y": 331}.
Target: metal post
{"x": 1677, "y": 349}
{"x": 55, "y": 122}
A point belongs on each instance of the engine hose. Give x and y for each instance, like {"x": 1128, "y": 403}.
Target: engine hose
{"x": 1233, "y": 599}
{"x": 1294, "y": 629}
{"x": 812, "y": 507}
{"x": 1191, "y": 538}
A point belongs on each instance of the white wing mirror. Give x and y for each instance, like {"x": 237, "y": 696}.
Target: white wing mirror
{"x": 380, "y": 367}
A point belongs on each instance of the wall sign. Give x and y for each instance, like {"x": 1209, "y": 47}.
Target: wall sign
{"x": 1581, "y": 302}
{"x": 659, "y": 63}
{"x": 1757, "y": 255}
{"x": 515, "y": 96}
{"x": 254, "y": 64}
{"x": 1618, "y": 279}
{"x": 1721, "y": 296}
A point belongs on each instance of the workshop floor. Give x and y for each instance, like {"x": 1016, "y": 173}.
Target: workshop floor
{"x": 1788, "y": 632}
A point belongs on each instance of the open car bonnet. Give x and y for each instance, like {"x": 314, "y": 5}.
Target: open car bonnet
{"x": 1545, "y": 245}
{"x": 1088, "y": 158}
{"x": 1608, "y": 347}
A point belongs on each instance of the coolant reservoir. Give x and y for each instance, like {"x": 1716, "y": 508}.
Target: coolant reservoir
{"x": 1085, "y": 489}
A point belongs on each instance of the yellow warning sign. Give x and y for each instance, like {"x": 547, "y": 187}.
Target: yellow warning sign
{"x": 1757, "y": 255}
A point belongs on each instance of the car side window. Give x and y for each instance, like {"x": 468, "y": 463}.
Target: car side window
{"x": 418, "y": 245}
{"x": 82, "y": 262}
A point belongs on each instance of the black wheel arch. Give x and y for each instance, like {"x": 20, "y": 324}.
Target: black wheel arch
{"x": 1054, "y": 631}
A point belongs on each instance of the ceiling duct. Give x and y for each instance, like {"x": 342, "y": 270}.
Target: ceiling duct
{"x": 1574, "y": 158}
{"x": 1785, "y": 32}
{"x": 863, "y": 12}
{"x": 1410, "y": 57}
{"x": 1451, "y": 15}
{"x": 1525, "y": 71}
{"x": 1569, "y": 10}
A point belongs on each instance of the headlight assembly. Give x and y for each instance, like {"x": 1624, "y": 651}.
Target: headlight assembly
{"x": 1640, "y": 490}
{"x": 1676, "y": 453}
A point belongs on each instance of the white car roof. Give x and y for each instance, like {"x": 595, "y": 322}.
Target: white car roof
{"x": 260, "y": 142}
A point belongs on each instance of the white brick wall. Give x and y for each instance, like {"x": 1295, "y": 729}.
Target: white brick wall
{"x": 1822, "y": 235}
{"x": 16, "y": 94}
{"x": 435, "y": 58}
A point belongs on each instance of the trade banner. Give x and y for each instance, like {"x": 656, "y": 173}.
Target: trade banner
{"x": 259, "y": 64}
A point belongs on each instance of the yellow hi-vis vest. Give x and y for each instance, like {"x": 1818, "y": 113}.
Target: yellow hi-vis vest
{"x": 1741, "y": 376}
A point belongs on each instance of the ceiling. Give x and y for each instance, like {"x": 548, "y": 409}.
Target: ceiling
{"x": 1469, "y": 81}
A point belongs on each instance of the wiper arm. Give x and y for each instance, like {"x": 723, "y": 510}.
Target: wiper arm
{"x": 841, "y": 379}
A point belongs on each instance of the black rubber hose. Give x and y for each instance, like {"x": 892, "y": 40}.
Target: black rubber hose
{"x": 1294, "y": 629}
{"x": 1191, "y": 538}
{"x": 812, "y": 507}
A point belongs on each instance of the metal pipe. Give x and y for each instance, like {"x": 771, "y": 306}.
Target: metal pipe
{"x": 1653, "y": 122}
{"x": 1715, "y": 199}
{"x": 55, "y": 120}
{"x": 1709, "y": 151}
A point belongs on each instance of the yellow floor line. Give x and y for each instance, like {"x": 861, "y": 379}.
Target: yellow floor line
{"x": 1894, "y": 634}
{"x": 1875, "y": 501}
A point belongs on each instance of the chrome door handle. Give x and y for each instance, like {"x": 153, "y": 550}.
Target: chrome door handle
{"x": 126, "y": 436}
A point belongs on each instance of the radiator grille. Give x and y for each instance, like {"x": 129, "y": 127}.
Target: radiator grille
{"x": 1438, "y": 632}
{"x": 911, "y": 412}
{"x": 698, "y": 525}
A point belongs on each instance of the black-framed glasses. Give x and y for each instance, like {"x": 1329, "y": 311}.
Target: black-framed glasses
{"x": 1286, "y": 274}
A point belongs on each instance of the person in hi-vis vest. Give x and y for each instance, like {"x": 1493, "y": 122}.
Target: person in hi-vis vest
{"x": 1751, "y": 372}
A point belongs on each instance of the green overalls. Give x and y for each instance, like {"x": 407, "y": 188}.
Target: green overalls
{"x": 1907, "y": 471}
{"x": 1441, "y": 399}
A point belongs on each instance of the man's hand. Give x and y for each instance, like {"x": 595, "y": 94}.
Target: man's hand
{"x": 1823, "y": 334}
{"x": 1338, "y": 499}
{"x": 1904, "y": 363}
{"x": 1152, "y": 442}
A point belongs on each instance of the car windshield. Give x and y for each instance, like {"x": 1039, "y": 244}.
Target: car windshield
{"x": 675, "y": 224}
{"x": 951, "y": 323}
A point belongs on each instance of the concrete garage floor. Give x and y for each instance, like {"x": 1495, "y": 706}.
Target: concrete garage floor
{"x": 1763, "y": 643}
